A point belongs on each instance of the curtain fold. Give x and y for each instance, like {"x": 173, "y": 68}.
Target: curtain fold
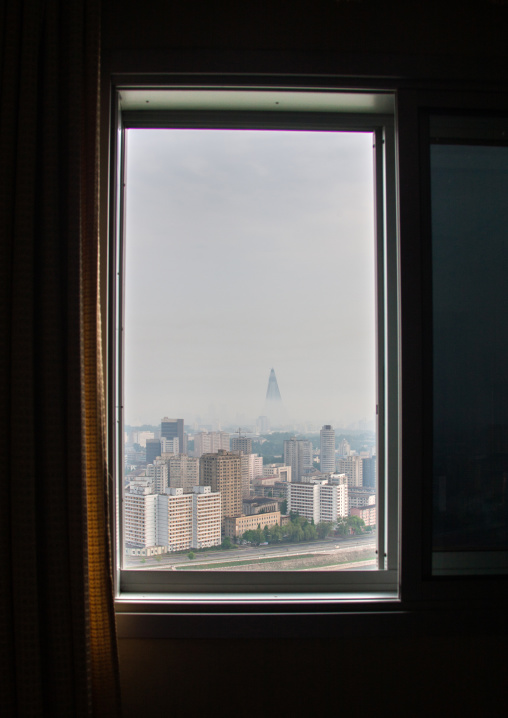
{"x": 56, "y": 612}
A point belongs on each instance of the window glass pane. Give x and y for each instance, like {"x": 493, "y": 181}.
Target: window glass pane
{"x": 469, "y": 191}
{"x": 250, "y": 304}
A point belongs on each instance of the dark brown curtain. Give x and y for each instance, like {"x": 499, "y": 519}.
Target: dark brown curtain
{"x": 56, "y": 607}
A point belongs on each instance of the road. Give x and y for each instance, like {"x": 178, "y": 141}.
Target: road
{"x": 171, "y": 561}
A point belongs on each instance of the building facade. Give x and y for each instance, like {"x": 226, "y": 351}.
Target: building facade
{"x": 298, "y": 455}
{"x": 241, "y": 443}
{"x": 140, "y": 515}
{"x": 210, "y": 442}
{"x": 318, "y": 500}
{"x": 183, "y": 472}
{"x": 158, "y": 472}
{"x": 327, "y": 453}
{"x": 236, "y": 526}
{"x": 171, "y": 429}
{"x": 352, "y": 466}
{"x": 223, "y": 473}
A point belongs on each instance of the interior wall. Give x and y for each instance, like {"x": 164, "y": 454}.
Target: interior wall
{"x": 422, "y": 40}
{"x": 431, "y": 676}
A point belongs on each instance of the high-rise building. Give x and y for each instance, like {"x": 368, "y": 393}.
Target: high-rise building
{"x": 352, "y": 466}
{"x": 327, "y": 455}
{"x": 173, "y": 428}
{"x": 158, "y": 472}
{"x": 241, "y": 443}
{"x": 153, "y": 450}
{"x": 157, "y": 447}
{"x": 369, "y": 472}
{"x": 252, "y": 467}
{"x": 189, "y": 520}
{"x": 298, "y": 455}
{"x": 210, "y": 442}
{"x": 319, "y": 499}
{"x": 223, "y": 472}
{"x": 183, "y": 472}
{"x": 139, "y": 514}
{"x": 344, "y": 448}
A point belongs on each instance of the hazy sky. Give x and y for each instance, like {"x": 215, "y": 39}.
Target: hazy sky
{"x": 247, "y": 250}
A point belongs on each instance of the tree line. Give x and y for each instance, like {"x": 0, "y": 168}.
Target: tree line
{"x": 301, "y": 529}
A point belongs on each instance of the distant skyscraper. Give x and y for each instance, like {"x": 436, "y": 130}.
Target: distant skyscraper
{"x": 153, "y": 450}
{"x": 210, "y": 442}
{"x": 344, "y": 449}
{"x": 274, "y": 408}
{"x": 369, "y": 472}
{"x": 298, "y": 455}
{"x": 352, "y": 466}
{"x": 173, "y": 428}
{"x": 241, "y": 443}
{"x": 327, "y": 456}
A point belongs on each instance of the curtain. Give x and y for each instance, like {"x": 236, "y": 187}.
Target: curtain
{"x": 58, "y": 645}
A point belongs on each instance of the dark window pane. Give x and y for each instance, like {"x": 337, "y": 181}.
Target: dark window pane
{"x": 469, "y": 194}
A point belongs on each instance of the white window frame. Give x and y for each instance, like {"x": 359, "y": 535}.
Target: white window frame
{"x": 149, "y": 106}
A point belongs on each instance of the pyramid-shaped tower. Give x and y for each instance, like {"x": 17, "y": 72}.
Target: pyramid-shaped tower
{"x": 273, "y": 393}
{"x": 274, "y": 408}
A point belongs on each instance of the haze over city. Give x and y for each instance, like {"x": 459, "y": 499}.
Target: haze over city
{"x": 247, "y": 250}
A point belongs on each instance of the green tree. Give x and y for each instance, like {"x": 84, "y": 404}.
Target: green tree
{"x": 284, "y": 506}
{"x": 309, "y": 532}
{"x": 342, "y": 527}
{"x": 226, "y": 543}
{"x": 191, "y": 555}
{"x": 324, "y": 529}
{"x": 357, "y": 524}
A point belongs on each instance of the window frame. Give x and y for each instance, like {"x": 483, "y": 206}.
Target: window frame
{"x": 134, "y": 586}
{"x": 443, "y": 605}
{"x": 420, "y": 590}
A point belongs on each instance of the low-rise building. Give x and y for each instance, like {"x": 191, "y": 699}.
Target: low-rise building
{"x": 367, "y": 513}
{"x": 259, "y": 505}
{"x": 236, "y": 526}
{"x": 361, "y": 497}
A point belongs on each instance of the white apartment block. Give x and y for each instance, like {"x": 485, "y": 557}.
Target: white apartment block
{"x": 206, "y": 517}
{"x": 352, "y": 466}
{"x": 189, "y": 520}
{"x": 318, "y": 500}
{"x": 174, "y": 520}
{"x": 304, "y": 499}
{"x": 282, "y": 472}
{"x": 210, "y": 442}
{"x": 140, "y": 515}
{"x": 333, "y": 501}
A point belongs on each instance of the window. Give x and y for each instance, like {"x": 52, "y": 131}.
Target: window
{"x": 259, "y": 122}
{"x": 469, "y": 185}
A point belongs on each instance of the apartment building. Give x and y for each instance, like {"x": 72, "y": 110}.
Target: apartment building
{"x": 318, "y": 500}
